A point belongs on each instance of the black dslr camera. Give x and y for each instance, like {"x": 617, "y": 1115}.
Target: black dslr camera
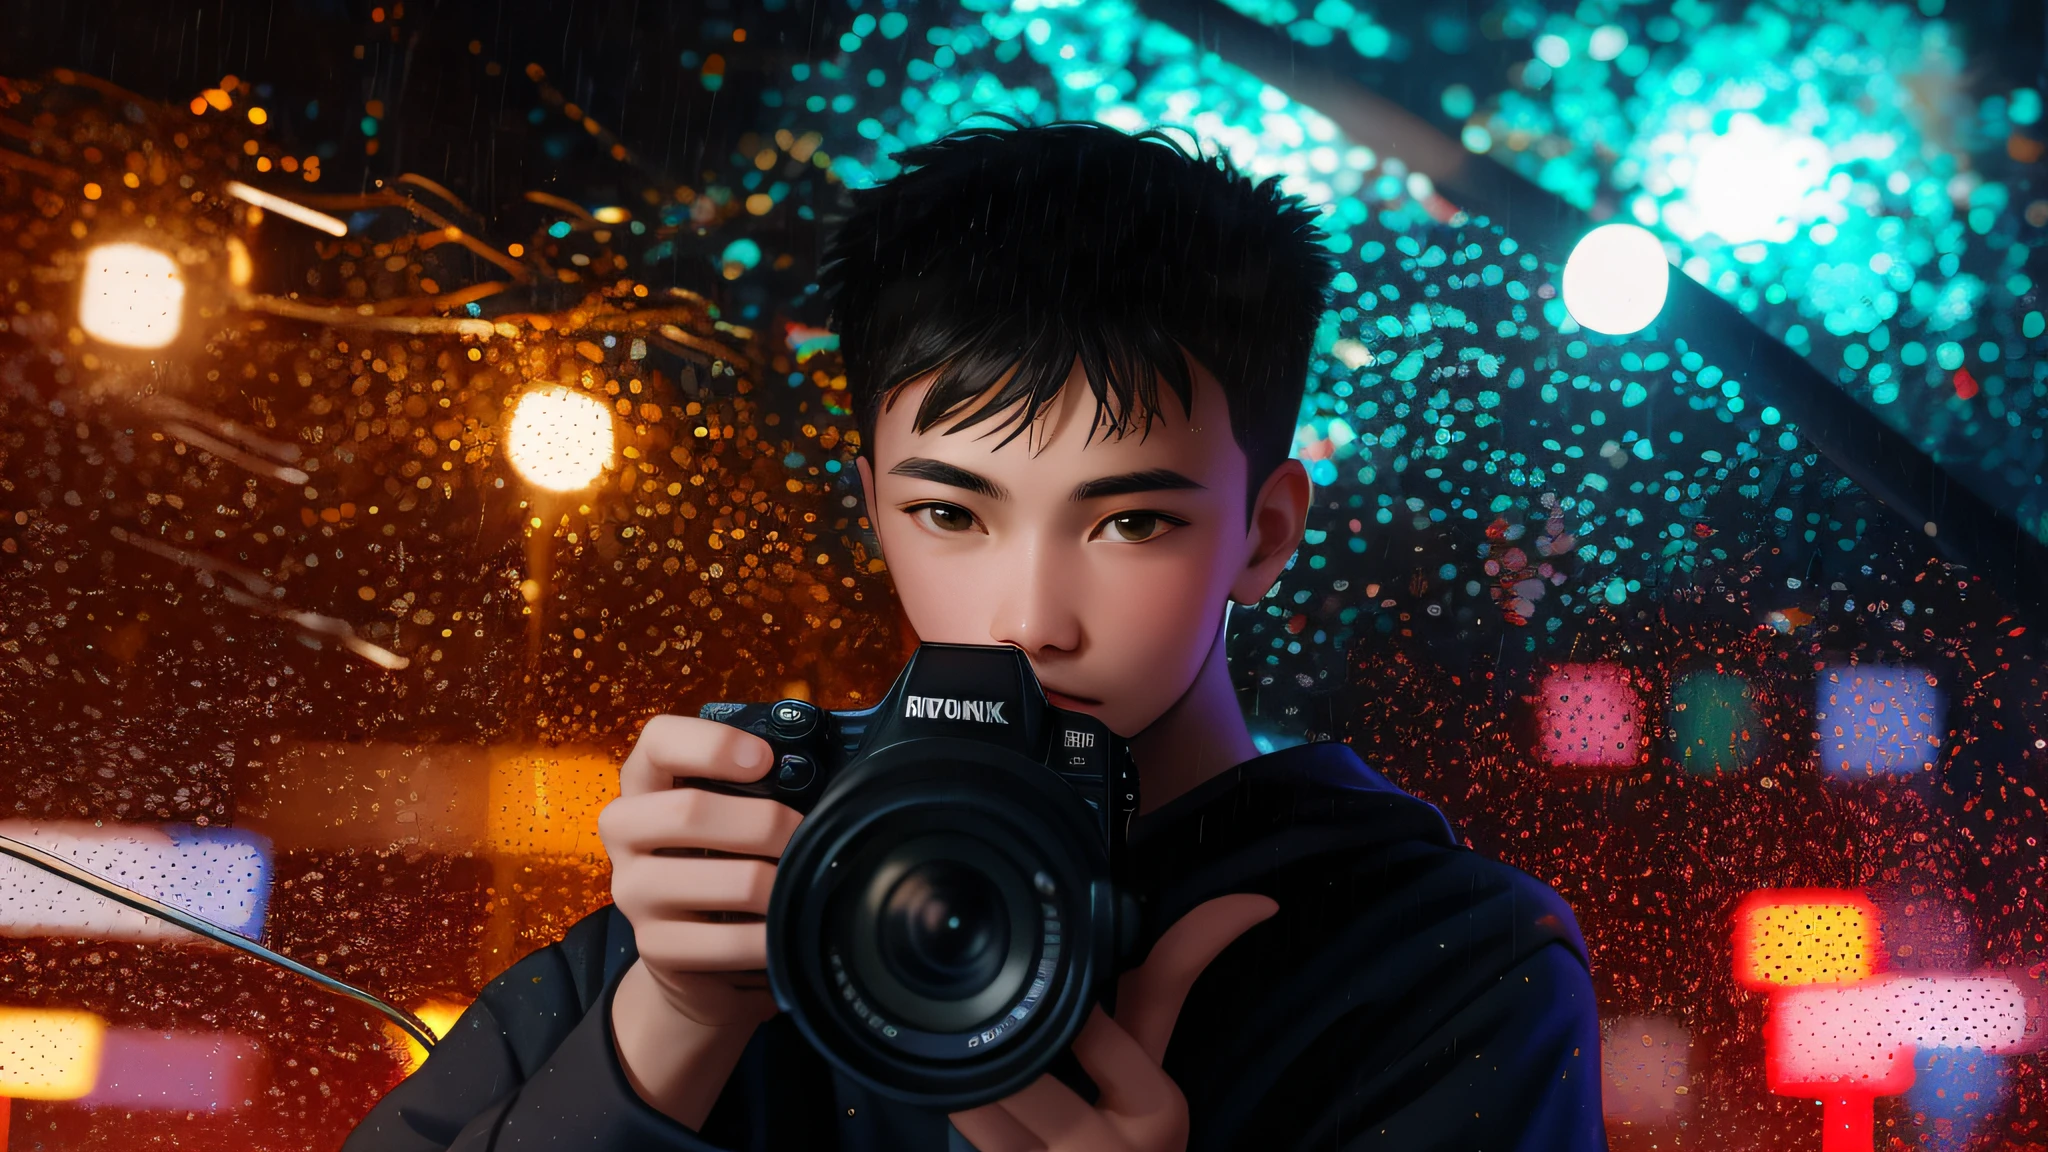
{"x": 950, "y": 909}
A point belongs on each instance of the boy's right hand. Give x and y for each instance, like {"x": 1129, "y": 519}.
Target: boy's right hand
{"x": 691, "y": 869}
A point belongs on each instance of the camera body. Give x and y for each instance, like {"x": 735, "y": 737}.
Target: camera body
{"x": 952, "y": 905}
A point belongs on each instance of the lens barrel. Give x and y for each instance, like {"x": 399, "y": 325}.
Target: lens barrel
{"x": 942, "y": 920}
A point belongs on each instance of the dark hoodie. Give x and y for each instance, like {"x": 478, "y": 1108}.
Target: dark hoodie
{"x": 1409, "y": 994}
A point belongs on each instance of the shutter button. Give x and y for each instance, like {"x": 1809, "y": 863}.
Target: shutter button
{"x": 795, "y": 773}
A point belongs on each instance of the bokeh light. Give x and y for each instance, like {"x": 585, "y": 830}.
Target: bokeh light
{"x": 1791, "y": 937}
{"x": 1741, "y": 180}
{"x": 1645, "y": 1063}
{"x": 560, "y": 439}
{"x": 131, "y": 295}
{"x": 306, "y": 600}
{"x": 1591, "y": 718}
{"x": 49, "y": 1054}
{"x": 1616, "y": 279}
{"x": 1879, "y": 722}
{"x": 438, "y": 1015}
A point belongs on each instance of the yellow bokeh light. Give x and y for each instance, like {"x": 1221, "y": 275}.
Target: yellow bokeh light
{"x": 561, "y": 439}
{"x": 610, "y": 214}
{"x": 1790, "y": 937}
{"x": 439, "y": 1016}
{"x": 49, "y": 1053}
{"x": 132, "y": 295}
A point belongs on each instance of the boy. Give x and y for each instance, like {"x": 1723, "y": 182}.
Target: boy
{"x": 1077, "y": 357}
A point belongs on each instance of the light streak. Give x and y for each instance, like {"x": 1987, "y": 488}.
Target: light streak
{"x": 176, "y": 1071}
{"x": 269, "y": 202}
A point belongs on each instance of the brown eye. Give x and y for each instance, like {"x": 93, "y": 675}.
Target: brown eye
{"x": 1135, "y": 527}
{"x": 944, "y": 517}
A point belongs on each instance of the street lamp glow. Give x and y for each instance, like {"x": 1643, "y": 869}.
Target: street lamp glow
{"x": 132, "y": 295}
{"x": 1616, "y": 279}
{"x": 1755, "y": 181}
{"x": 560, "y": 439}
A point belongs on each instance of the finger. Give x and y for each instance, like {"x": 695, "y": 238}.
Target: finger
{"x": 672, "y": 888}
{"x": 990, "y": 1129}
{"x": 690, "y": 946}
{"x": 694, "y": 818}
{"x": 1149, "y": 996}
{"x": 1139, "y": 1099}
{"x": 672, "y": 746}
{"x": 1058, "y": 1117}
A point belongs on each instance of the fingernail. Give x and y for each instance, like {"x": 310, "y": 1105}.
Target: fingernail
{"x": 754, "y": 754}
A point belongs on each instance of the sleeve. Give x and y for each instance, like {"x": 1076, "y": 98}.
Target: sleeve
{"x": 525, "y": 1067}
{"x": 1443, "y": 1001}
{"x": 1515, "y": 1070}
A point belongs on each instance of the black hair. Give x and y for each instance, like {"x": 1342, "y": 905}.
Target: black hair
{"x": 999, "y": 254}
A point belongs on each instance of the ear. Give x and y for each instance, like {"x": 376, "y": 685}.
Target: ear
{"x": 1279, "y": 514}
{"x": 866, "y": 472}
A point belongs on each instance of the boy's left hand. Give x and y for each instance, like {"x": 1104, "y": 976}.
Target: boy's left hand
{"x": 1141, "y": 1109}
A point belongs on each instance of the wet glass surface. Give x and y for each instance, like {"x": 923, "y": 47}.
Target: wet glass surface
{"x": 399, "y": 405}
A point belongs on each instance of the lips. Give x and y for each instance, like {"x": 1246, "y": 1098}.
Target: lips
{"x": 1072, "y": 703}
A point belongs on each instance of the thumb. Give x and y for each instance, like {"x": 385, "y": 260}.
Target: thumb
{"x": 1149, "y": 996}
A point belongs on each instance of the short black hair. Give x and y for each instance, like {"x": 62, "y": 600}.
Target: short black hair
{"x": 999, "y": 254}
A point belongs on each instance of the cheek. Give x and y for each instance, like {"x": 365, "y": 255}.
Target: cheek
{"x": 943, "y": 586}
{"x": 1159, "y": 612}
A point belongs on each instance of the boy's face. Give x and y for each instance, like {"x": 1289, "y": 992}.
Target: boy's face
{"x": 1109, "y": 562}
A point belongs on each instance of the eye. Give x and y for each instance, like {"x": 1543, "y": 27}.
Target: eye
{"x": 1137, "y": 527}
{"x": 942, "y": 517}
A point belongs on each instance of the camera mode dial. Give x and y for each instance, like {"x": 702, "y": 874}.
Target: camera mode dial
{"x": 792, "y": 720}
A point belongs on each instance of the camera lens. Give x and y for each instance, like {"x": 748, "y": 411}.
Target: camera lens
{"x": 942, "y": 921}
{"x": 945, "y": 930}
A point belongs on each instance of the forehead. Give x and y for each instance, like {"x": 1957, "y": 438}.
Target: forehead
{"x": 1197, "y": 444}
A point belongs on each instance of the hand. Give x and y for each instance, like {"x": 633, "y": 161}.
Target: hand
{"x": 691, "y": 871}
{"x": 1141, "y": 1109}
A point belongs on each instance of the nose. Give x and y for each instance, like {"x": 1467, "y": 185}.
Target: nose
{"x": 1039, "y": 589}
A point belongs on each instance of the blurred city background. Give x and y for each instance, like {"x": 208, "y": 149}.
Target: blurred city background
{"x": 402, "y": 402}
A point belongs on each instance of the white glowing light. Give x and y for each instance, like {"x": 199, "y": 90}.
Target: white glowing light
{"x": 1862, "y": 1036}
{"x": 1755, "y": 181}
{"x": 132, "y": 295}
{"x": 219, "y": 874}
{"x": 1616, "y": 279}
{"x": 561, "y": 439}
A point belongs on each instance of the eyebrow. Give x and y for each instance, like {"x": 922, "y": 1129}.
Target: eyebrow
{"x": 1150, "y": 480}
{"x": 954, "y": 476}
{"x": 940, "y": 472}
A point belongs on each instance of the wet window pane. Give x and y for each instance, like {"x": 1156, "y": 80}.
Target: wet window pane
{"x": 400, "y": 406}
